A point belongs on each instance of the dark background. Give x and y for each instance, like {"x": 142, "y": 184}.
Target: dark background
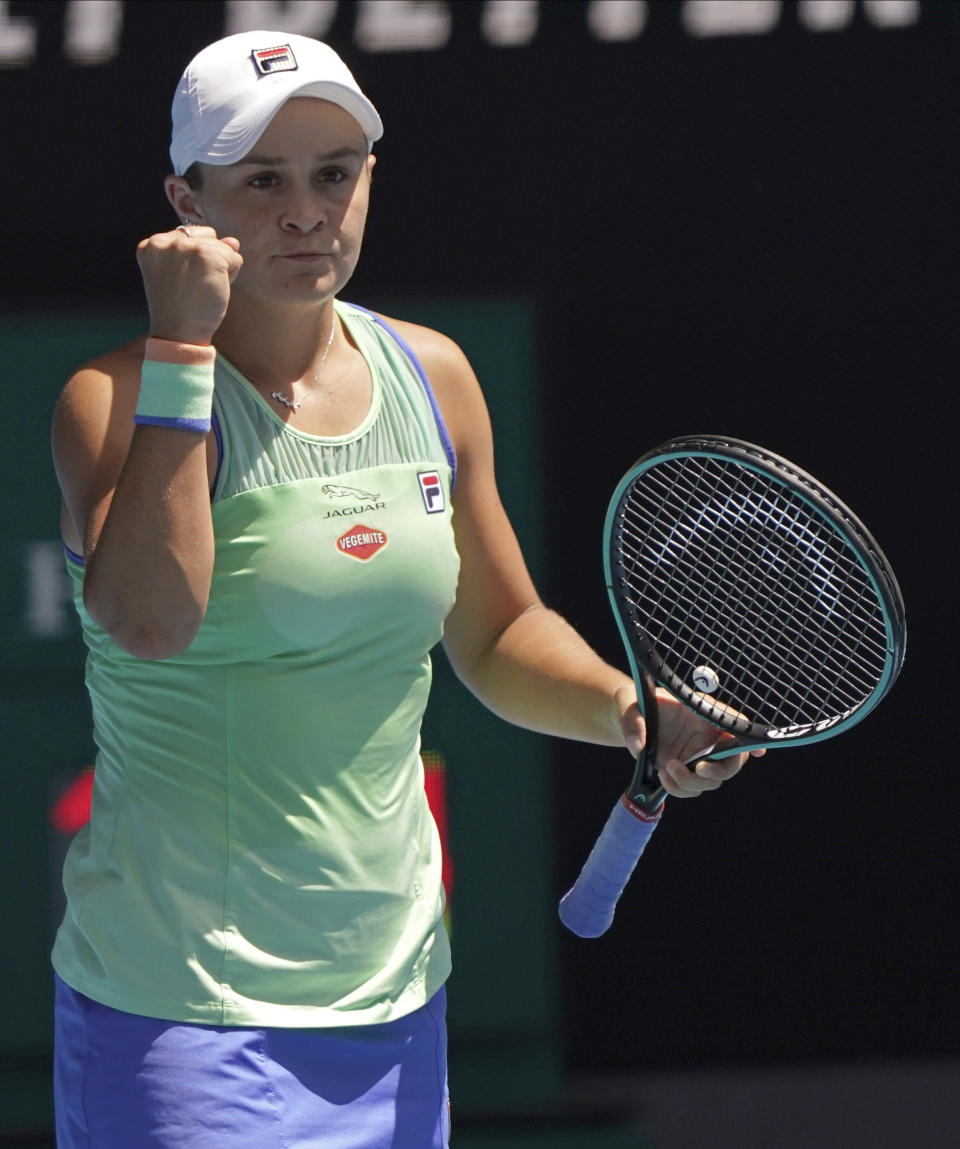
{"x": 749, "y": 235}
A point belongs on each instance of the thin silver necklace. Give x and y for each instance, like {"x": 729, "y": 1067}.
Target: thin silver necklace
{"x": 294, "y": 406}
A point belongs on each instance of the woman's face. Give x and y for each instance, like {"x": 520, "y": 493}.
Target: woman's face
{"x": 297, "y": 203}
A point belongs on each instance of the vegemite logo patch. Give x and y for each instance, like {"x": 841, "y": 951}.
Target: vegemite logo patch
{"x": 269, "y": 60}
{"x": 432, "y": 491}
{"x": 361, "y": 542}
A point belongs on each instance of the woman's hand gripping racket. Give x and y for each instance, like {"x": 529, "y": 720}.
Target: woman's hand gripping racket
{"x": 749, "y": 591}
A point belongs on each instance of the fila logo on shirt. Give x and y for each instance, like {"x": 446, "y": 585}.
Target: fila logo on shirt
{"x": 269, "y": 60}
{"x": 432, "y": 492}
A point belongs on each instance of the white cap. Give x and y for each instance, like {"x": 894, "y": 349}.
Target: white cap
{"x": 231, "y": 90}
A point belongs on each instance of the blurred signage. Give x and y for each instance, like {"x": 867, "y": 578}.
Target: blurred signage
{"x": 47, "y": 593}
{"x": 92, "y": 31}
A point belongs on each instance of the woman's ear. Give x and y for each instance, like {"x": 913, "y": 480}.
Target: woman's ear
{"x": 183, "y": 199}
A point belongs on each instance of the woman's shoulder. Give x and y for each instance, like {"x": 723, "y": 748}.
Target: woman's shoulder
{"x": 451, "y": 377}
{"x": 437, "y": 352}
{"x": 106, "y": 379}
{"x": 103, "y": 390}
{"x": 117, "y": 364}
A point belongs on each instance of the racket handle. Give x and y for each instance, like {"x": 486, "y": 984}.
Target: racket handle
{"x": 587, "y": 909}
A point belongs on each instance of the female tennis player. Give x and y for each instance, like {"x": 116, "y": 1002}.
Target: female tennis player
{"x": 275, "y": 504}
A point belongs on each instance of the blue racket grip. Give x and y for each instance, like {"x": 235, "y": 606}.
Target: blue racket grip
{"x": 587, "y": 909}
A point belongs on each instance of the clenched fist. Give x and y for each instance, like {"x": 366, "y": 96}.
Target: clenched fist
{"x": 187, "y": 276}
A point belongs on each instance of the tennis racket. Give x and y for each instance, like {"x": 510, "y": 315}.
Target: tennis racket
{"x": 755, "y": 597}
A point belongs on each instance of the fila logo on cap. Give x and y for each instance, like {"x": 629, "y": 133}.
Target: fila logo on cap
{"x": 269, "y": 60}
{"x": 432, "y": 491}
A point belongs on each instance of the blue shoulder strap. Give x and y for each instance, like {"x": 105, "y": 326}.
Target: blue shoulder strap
{"x": 418, "y": 367}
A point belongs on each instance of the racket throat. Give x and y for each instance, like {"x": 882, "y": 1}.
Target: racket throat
{"x": 645, "y": 792}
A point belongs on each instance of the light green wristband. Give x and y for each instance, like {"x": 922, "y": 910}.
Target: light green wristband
{"x": 175, "y": 395}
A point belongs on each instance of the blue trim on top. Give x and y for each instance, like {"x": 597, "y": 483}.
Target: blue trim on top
{"x": 73, "y": 556}
{"x": 201, "y": 425}
{"x": 418, "y": 367}
{"x": 218, "y": 436}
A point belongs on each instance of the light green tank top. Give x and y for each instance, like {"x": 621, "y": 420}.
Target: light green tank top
{"x": 261, "y": 851}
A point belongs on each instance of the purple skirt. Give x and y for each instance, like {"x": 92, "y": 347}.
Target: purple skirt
{"x": 122, "y": 1081}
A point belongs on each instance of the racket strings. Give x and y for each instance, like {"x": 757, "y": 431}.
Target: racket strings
{"x": 804, "y": 589}
{"x": 743, "y": 562}
{"x": 715, "y": 644}
{"x": 718, "y": 560}
{"x": 752, "y": 618}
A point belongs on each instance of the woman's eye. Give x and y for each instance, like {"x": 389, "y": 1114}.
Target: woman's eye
{"x": 263, "y": 180}
{"x": 333, "y": 175}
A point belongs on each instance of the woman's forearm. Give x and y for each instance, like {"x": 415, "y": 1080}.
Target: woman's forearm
{"x": 540, "y": 674}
